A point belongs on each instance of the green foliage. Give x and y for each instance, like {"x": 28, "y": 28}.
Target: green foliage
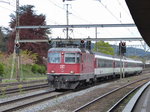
{"x": 20, "y": 86}
{"x": 29, "y": 57}
{"x": 1, "y": 70}
{"x": 103, "y": 47}
{"x": 2, "y": 41}
{"x": 35, "y": 68}
{"x": 42, "y": 69}
{"x": 38, "y": 69}
{"x": 3, "y": 91}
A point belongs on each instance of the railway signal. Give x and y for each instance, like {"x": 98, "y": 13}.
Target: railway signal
{"x": 17, "y": 46}
{"x": 82, "y": 44}
{"x": 122, "y": 48}
{"x": 88, "y": 45}
{"x": 50, "y": 42}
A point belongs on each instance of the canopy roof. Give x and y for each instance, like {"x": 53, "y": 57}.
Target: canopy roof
{"x": 140, "y": 11}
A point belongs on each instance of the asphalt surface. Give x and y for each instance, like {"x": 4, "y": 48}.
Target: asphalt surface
{"x": 143, "y": 104}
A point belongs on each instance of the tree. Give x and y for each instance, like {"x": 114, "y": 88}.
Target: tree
{"x": 103, "y": 47}
{"x": 27, "y": 16}
{"x": 2, "y": 40}
{"x": 1, "y": 70}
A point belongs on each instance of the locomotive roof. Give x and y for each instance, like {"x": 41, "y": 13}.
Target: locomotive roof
{"x": 69, "y": 49}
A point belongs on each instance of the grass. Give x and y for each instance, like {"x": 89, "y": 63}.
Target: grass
{"x": 28, "y": 59}
{"x": 26, "y": 74}
{"x": 26, "y": 79}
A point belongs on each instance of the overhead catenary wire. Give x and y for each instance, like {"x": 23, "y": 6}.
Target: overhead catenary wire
{"x": 123, "y": 8}
{"x": 109, "y": 11}
{"x": 76, "y": 15}
{"x": 70, "y": 13}
{"x": 2, "y": 1}
{"x": 114, "y": 15}
{"x": 7, "y": 8}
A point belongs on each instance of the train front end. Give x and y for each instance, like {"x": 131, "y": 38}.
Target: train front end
{"x": 63, "y": 68}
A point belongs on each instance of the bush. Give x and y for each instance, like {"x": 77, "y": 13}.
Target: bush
{"x": 1, "y": 70}
{"x": 35, "y": 68}
{"x": 42, "y": 70}
{"x": 38, "y": 69}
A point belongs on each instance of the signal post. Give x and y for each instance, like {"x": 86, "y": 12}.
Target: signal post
{"x": 122, "y": 50}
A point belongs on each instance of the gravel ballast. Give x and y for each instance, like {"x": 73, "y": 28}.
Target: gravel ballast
{"x": 70, "y": 102}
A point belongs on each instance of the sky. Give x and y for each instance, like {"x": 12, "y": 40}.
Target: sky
{"x": 80, "y": 12}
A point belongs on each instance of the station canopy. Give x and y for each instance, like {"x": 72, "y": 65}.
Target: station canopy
{"x": 140, "y": 11}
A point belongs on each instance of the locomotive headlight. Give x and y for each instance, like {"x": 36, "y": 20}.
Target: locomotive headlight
{"x": 52, "y": 71}
{"x": 72, "y": 72}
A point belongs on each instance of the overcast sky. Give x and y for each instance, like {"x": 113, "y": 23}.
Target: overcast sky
{"x": 81, "y": 12}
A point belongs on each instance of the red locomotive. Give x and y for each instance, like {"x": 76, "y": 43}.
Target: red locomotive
{"x": 69, "y": 67}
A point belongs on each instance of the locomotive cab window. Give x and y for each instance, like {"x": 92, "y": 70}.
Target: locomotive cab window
{"x": 77, "y": 58}
{"x": 54, "y": 57}
{"x": 72, "y": 58}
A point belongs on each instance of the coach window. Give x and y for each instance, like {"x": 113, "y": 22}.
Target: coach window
{"x": 70, "y": 58}
{"x": 98, "y": 63}
{"x": 54, "y": 57}
{"x": 103, "y": 63}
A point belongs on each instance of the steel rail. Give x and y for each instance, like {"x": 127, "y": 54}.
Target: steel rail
{"x": 24, "y": 82}
{"x": 16, "y": 107}
{"x": 112, "y": 109}
{"x": 131, "y": 104}
{"x": 15, "y": 90}
{"x": 25, "y": 97}
{"x": 106, "y": 94}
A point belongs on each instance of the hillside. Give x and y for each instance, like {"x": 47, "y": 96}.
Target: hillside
{"x": 131, "y": 51}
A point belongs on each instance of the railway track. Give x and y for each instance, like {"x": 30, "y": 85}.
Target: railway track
{"x": 145, "y": 71}
{"x": 47, "y": 95}
{"x": 26, "y": 88}
{"x": 135, "y": 105}
{"x": 23, "y": 102}
{"x": 108, "y": 98}
{"x": 121, "y": 103}
{"x": 22, "y": 83}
